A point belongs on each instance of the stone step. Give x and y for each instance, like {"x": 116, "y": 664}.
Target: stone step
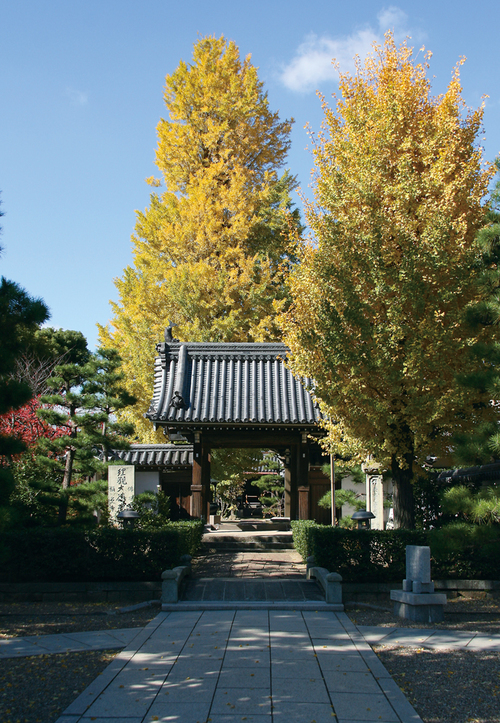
{"x": 247, "y": 541}
{"x": 270, "y": 590}
{"x": 227, "y": 546}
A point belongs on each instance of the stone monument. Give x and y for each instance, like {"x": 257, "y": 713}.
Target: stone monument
{"x": 121, "y": 488}
{"x": 417, "y": 601}
{"x": 374, "y": 493}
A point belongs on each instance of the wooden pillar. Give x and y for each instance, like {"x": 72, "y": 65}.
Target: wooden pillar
{"x": 205, "y": 480}
{"x": 200, "y": 482}
{"x": 291, "y": 482}
{"x": 288, "y": 487}
{"x": 303, "y": 502}
{"x": 303, "y": 478}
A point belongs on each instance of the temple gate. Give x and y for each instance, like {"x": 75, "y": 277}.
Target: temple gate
{"x": 236, "y": 395}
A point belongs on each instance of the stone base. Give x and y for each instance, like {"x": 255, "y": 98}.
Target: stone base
{"x": 419, "y": 607}
{"x": 419, "y": 613}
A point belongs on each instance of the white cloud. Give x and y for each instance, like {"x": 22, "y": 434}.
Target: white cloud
{"x": 393, "y": 18}
{"x": 312, "y": 63}
{"x": 77, "y": 97}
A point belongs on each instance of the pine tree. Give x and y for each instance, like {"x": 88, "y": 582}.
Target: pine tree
{"x": 211, "y": 249}
{"x": 379, "y": 297}
{"x": 272, "y": 486}
{"x": 482, "y": 443}
{"x": 83, "y": 401}
{"x": 20, "y": 315}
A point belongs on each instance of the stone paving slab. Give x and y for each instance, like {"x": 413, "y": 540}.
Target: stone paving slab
{"x": 404, "y": 636}
{"x": 442, "y": 639}
{"x": 268, "y": 665}
{"x": 484, "y": 642}
{"x": 243, "y": 680}
{"x": 254, "y": 589}
{"x": 249, "y": 605}
{"x": 428, "y": 638}
{"x": 303, "y": 713}
{"x": 63, "y": 643}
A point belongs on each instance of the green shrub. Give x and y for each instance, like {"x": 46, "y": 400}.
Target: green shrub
{"x": 303, "y": 537}
{"x": 459, "y": 551}
{"x": 362, "y": 555}
{"x": 102, "y": 554}
{"x": 466, "y": 551}
{"x": 153, "y": 509}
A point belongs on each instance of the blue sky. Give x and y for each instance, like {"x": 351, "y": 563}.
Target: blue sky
{"x": 81, "y": 90}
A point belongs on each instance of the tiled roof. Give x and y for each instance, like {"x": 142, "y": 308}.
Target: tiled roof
{"x": 228, "y": 384}
{"x": 156, "y": 455}
{"x": 482, "y": 473}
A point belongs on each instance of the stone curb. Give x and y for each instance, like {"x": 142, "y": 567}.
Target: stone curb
{"x": 251, "y": 605}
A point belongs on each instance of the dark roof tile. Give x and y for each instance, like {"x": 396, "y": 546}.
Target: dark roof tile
{"x": 229, "y": 384}
{"x": 156, "y": 455}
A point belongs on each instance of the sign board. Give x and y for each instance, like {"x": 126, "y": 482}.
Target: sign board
{"x": 121, "y": 488}
{"x": 375, "y": 499}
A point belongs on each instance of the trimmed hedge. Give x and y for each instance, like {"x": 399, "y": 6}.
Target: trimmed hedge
{"x": 103, "y": 554}
{"x": 380, "y": 556}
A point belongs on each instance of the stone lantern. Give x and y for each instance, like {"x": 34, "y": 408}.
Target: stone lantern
{"x": 127, "y": 517}
{"x": 363, "y": 518}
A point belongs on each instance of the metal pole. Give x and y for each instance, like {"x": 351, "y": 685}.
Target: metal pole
{"x": 332, "y": 486}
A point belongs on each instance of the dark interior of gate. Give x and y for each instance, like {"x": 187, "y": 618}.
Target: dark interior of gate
{"x": 238, "y": 396}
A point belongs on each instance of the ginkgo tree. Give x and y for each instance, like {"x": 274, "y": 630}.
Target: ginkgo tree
{"x": 380, "y": 293}
{"x": 211, "y": 248}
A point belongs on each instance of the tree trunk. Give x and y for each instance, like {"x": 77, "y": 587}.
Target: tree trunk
{"x": 404, "y": 503}
{"x": 63, "y": 498}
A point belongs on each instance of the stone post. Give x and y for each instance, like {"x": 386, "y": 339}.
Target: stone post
{"x": 417, "y": 601}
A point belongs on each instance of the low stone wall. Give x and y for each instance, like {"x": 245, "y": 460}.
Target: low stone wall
{"x": 360, "y": 591}
{"x": 88, "y": 592}
{"x": 135, "y": 592}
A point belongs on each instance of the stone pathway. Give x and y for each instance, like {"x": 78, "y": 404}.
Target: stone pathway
{"x": 256, "y": 564}
{"x": 115, "y": 639}
{"x": 265, "y": 576}
{"x": 254, "y": 665}
{"x": 20, "y": 647}
{"x": 267, "y": 590}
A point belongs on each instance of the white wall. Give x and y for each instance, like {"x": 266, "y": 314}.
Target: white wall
{"x": 360, "y": 489}
{"x": 146, "y": 482}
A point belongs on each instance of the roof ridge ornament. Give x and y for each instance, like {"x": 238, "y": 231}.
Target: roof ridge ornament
{"x": 177, "y": 401}
{"x": 168, "y": 333}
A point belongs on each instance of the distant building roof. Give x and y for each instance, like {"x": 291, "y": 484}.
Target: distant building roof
{"x": 156, "y": 455}
{"x": 207, "y": 384}
{"x": 481, "y": 473}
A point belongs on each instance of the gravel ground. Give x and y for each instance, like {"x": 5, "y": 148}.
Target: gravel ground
{"x": 20, "y": 619}
{"x": 451, "y": 686}
{"x": 455, "y": 686}
{"x": 475, "y": 613}
{"x": 38, "y": 689}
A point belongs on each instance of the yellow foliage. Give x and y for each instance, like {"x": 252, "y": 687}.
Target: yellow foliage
{"x": 210, "y": 251}
{"x": 379, "y": 295}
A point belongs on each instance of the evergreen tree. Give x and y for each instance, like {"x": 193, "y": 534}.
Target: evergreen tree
{"x": 44, "y": 350}
{"x": 228, "y": 470}
{"x": 379, "y": 296}
{"x": 83, "y": 401}
{"x": 482, "y": 443}
{"x": 105, "y": 396}
{"x": 20, "y": 315}
{"x": 272, "y": 486}
{"x": 211, "y": 249}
